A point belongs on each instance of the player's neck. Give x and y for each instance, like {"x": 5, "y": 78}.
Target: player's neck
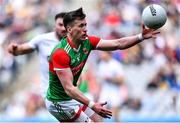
{"x": 58, "y": 37}
{"x": 74, "y": 41}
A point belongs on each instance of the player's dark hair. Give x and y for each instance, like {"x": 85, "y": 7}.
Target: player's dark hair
{"x": 60, "y": 15}
{"x": 71, "y": 16}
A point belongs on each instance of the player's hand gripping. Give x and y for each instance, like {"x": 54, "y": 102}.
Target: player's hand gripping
{"x": 12, "y": 48}
{"x": 148, "y": 33}
{"x": 102, "y": 111}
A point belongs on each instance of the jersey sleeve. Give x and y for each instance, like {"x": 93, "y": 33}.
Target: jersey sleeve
{"x": 33, "y": 43}
{"x": 94, "y": 41}
{"x": 60, "y": 59}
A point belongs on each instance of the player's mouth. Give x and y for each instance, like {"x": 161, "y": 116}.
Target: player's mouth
{"x": 64, "y": 32}
{"x": 84, "y": 36}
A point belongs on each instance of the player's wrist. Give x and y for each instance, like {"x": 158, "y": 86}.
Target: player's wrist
{"x": 15, "y": 53}
{"x": 140, "y": 37}
{"x": 91, "y": 104}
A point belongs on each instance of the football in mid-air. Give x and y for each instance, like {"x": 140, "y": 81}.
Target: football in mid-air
{"x": 154, "y": 16}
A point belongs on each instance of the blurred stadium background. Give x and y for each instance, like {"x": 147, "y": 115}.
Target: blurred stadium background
{"x": 151, "y": 69}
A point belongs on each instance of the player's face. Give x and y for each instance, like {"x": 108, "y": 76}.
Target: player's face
{"x": 78, "y": 30}
{"x": 59, "y": 28}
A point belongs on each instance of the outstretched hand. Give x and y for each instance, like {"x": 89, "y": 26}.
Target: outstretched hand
{"x": 149, "y": 33}
{"x": 12, "y": 48}
{"x": 102, "y": 111}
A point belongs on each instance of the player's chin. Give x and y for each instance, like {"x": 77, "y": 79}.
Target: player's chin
{"x": 83, "y": 37}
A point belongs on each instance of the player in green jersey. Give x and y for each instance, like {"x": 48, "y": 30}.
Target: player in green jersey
{"x": 64, "y": 100}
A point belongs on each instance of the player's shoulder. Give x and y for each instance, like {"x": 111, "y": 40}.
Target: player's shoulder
{"x": 46, "y": 35}
{"x": 59, "y": 52}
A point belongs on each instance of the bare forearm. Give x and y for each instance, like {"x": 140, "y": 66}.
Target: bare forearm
{"x": 66, "y": 78}
{"x": 122, "y": 43}
{"x": 77, "y": 95}
{"x": 127, "y": 42}
{"x": 22, "y": 49}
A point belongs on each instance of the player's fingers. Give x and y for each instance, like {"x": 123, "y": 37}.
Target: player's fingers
{"x": 14, "y": 46}
{"x": 156, "y": 32}
{"x": 102, "y": 104}
{"x": 107, "y": 111}
{"x": 102, "y": 115}
{"x": 105, "y": 115}
{"x": 142, "y": 26}
{"x": 154, "y": 36}
{"x": 109, "y": 115}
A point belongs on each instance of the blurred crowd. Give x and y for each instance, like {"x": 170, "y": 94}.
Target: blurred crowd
{"x": 149, "y": 79}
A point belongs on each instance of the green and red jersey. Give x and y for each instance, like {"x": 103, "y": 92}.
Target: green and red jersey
{"x": 64, "y": 55}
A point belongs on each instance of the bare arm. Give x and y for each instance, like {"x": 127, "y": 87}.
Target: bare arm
{"x": 126, "y": 42}
{"x": 122, "y": 43}
{"x": 66, "y": 78}
{"x": 16, "y": 49}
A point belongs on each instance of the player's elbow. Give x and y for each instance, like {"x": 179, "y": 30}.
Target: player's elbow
{"x": 69, "y": 90}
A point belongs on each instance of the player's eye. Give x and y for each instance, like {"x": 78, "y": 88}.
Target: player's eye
{"x": 82, "y": 25}
{"x": 60, "y": 24}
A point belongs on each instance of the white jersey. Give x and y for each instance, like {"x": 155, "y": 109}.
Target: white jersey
{"x": 110, "y": 91}
{"x": 44, "y": 44}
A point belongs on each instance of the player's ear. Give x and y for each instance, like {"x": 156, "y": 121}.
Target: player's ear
{"x": 68, "y": 29}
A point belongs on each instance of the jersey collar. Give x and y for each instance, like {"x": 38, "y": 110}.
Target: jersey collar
{"x": 70, "y": 43}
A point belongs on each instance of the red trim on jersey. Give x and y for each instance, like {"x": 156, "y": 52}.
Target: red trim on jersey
{"x": 60, "y": 59}
{"x": 94, "y": 41}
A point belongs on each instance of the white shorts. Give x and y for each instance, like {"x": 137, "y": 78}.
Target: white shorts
{"x": 69, "y": 111}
